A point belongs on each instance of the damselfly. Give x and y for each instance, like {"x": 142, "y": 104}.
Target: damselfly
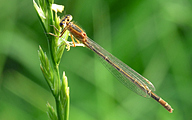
{"x": 126, "y": 75}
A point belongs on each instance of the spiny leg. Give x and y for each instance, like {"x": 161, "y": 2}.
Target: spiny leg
{"x": 73, "y": 41}
{"x": 63, "y": 31}
{"x": 52, "y": 33}
{"x": 55, "y": 28}
{"x": 77, "y": 41}
{"x": 75, "y": 44}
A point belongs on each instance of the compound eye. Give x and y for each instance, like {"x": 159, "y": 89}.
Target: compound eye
{"x": 61, "y": 24}
{"x": 69, "y": 18}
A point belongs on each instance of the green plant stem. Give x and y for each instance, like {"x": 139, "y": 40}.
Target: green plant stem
{"x": 58, "y": 86}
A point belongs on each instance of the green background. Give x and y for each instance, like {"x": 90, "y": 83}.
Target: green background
{"x": 152, "y": 37}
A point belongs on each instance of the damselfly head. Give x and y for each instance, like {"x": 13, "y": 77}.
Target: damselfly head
{"x": 66, "y": 20}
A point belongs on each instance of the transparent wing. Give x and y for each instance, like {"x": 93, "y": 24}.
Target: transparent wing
{"x": 126, "y": 75}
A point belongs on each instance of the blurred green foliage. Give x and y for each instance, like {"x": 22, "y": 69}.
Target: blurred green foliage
{"x": 152, "y": 37}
